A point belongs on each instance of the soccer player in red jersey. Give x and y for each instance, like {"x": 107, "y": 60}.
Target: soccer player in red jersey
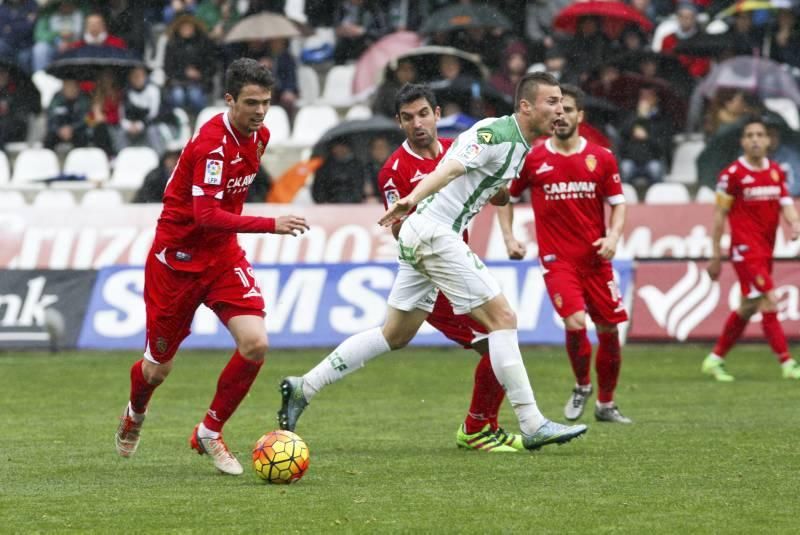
{"x": 570, "y": 180}
{"x": 196, "y": 259}
{"x": 752, "y": 193}
{"x": 417, "y": 114}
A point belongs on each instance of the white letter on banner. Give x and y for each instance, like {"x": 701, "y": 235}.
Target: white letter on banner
{"x": 302, "y": 293}
{"x": 122, "y": 291}
{"x": 362, "y": 245}
{"x": 356, "y": 287}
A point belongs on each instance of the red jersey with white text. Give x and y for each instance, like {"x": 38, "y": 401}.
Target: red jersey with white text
{"x": 758, "y": 194}
{"x": 568, "y": 194}
{"x": 220, "y": 163}
{"x": 404, "y": 169}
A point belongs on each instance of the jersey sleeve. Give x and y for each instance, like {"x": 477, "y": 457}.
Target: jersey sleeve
{"x": 786, "y": 197}
{"x": 469, "y": 152}
{"x": 388, "y": 185}
{"x": 518, "y": 186}
{"x": 727, "y": 181}
{"x": 209, "y": 168}
{"x": 612, "y": 183}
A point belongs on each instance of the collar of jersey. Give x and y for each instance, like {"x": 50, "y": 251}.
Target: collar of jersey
{"x": 407, "y": 147}
{"x": 548, "y": 144}
{"x": 746, "y": 164}
{"x": 237, "y": 137}
{"x": 519, "y": 130}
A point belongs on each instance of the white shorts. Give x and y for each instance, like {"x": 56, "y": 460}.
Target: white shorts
{"x": 433, "y": 256}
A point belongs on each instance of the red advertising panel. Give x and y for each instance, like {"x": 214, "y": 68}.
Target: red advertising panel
{"x": 679, "y": 301}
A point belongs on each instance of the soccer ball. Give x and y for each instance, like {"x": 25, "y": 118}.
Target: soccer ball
{"x": 280, "y": 457}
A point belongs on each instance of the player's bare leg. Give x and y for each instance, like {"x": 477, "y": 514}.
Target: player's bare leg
{"x": 537, "y": 431}
{"x": 146, "y": 375}
{"x": 352, "y": 354}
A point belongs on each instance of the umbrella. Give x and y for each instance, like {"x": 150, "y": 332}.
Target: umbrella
{"x": 372, "y": 62}
{"x": 706, "y": 44}
{"x": 261, "y": 27}
{"x": 668, "y": 67}
{"x": 426, "y": 62}
{"x": 753, "y": 5}
{"x": 599, "y": 110}
{"x": 465, "y": 90}
{"x": 615, "y": 16}
{"x": 624, "y": 92}
{"x": 358, "y": 134}
{"x": 86, "y": 62}
{"x": 462, "y": 16}
{"x": 25, "y": 88}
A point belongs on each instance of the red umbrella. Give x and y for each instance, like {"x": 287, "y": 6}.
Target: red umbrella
{"x": 372, "y": 62}
{"x": 615, "y": 16}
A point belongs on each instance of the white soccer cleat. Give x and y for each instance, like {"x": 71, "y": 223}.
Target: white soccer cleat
{"x": 215, "y": 448}
{"x": 126, "y": 438}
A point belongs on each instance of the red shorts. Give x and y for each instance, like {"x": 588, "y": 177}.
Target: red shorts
{"x": 460, "y": 329}
{"x": 592, "y": 288}
{"x": 755, "y": 276}
{"x": 171, "y": 298}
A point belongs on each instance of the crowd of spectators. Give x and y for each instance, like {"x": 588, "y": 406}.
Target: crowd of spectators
{"x": 639, "y": 88}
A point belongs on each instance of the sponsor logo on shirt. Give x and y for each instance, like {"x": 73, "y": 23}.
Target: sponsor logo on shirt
{"x": 213, "y": 172}
{"x": 569, "y": 190}
{"x": 757, "y": 193}
{"x": 470, "y": 152}
{"x": 544, "y": 168}
{"x": 240, "y": 183}
{"x": 392, "y": 196}
{"x": 775, "y": 176}
{"x": 485, "y": 136}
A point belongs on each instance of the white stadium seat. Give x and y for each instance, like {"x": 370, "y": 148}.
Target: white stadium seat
{"x": 50, "y": 198}
{"x": 705, "y": 195}
{"x": 33, "y": 165}
{"x": 631, "y": 197}
{"x": 132, "y": 165}
{"x": 102, "y": 198}
{"x": 206, "y": 114}
{"x": 308, "y": 85}
{"x": 11, "y": 199}
{"x": 5, "y": 168}
{"x": 667, "y": 193}
{"x": 310, "y": 123}
{"x": 684, "y": 162}
{"x": 359, "y": 111}
{"x": 90, "y": 162}
{"x": 786, "y": 108}
{"x": 277, "y": 120}
{"x": 338, "y": 91}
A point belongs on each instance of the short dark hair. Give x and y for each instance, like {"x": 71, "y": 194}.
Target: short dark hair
{"x": 411, "y": 92}
{"x": 529, "y": 84}
{"x": 754, "y": 119}
{"x": 245, "y": 71}
{"x": 569, "y": 90}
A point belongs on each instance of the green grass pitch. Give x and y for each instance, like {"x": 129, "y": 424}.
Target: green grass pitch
{"x": 701, "y": 457}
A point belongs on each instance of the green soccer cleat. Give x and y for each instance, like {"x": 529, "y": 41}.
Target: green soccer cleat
{"x": 293, "y": 402}
{"x": 509, "y": 439}
{"x": 790, "y": 369}
{"x": 715, "y": 367}
{"x": 552, "y": 433}
{"x": 483, "y": 440}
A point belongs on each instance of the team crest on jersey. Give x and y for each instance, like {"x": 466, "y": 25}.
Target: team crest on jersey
{"x": 470, "y": 152}
{"x": 775, "y": 176}
{"x": 161, "y": 344}
{"x": 591, "y": 163}
{"x": 392, "y": 196}
{"x": 485, "y": 136}
{"x": 558, "y": 301}
{"x": 260, "y": 150}
{"x": 213, "y": 172}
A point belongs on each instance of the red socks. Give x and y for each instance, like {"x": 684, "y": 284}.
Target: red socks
{"x": 233, "y": 385}
{"x": 141, "y": 390}
{"x": 579, "y": 350}
{"x": 487, "y": 396}
{"x": 774, "y": 333}
{"x": 607, "y": 365}
{"x": 734, "y": 326}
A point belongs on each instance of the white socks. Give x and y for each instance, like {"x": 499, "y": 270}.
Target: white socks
{"x": 351, "y": 354}
{"x": 205, "y": 432}
{"x": 510, "y": 372}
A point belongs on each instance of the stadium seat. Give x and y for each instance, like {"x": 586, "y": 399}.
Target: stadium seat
{"x": 308, "y": 85}
{"x": 207, "y": 113}
{"x": 631, "y": 197}
{"x": 47, "y": 85}
{"x": 667, "y": 193}
{"x": 338, "y": 90}
{"x": 34, "y": 165}
{"x": 359, "y": 111}
{"x": 277, "y": 120}
{"x": 310, "y": 123}
{"x": 100, "y": 198}
{"x": 786, "y": 108}
{"x": 50, "y": 198}
{"x": 90, "y": 162}
{"x": 684, "y": 162}
{"x": 131, "y": 166}
{"x": 5, "y": 168}
{"x": 11, "y": 199}
{"x": 705, "y": 195}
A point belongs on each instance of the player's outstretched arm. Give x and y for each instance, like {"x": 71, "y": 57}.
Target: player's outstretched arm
{"x": 291, "y": 224}
{"x": 791, "y": 216}
{"x": 505, "y": 217}
{"x": 607, "y": 246}
{"x": 445, "y": 173}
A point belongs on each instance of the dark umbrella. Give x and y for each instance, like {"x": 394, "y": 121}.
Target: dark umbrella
{"x": 262, "y": 27}
{"x": 614, "y": 17}
{"x": 26, "y": 90}
{"x": 706, "y": 45}
{"x": 465, "y": 91}
{"x": 86, "y": 62}
{"x": 358, "y": 134}
{"x": 461, "y": 16}
{"x": 667, "y": 67}
{"x": 599, "y": 110}
{"x": 624, "y": 92}
{"x": 426, "y": 62}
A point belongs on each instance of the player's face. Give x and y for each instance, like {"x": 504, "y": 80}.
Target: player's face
{"x": 544, "y": 110}
{"x": 755, "y": 141}
{"x": 567, "y": 125}
{"x": 418, "y": 120}
{"x": 247, "y": 112}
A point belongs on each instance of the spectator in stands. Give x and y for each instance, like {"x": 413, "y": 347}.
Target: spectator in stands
{"x": 688, "y": 27}
{"x": 515, "y": 64}
{"x": 141, "y": 108}
{"x": 379, "y": 152}
{"x": 274, "y": 54}
{"x": 55, "y": 32}
{"x": 261, "y": 186}
{"x": 646, "y": 8}
{"x": 727, "y": 107}
{"x": 340, "y": 179}
{"x": 632, "y": 39}
{"x": 641, "y": 155}
{"x": 784, "y": 46}
{"x": 175, "y": 8}
{"x": 539, "y": 16}
{"x": 152, "y": 188}
{"x": 96, "y": 33}
{"x": 126, "y": 18}
{"x": 190, "y": 63}
{"x": 17, "y": 19}
{"x": 787, "y": 155}
{"x": 14, "y": 110}
{"x": 555, "y": 61}
{"x": 104, "y": 114}
{"x": 358, "y": 24}
{"x": 746, "y": 37}
{"x": 404, "y": 73}
{"x": 658, "y": 121}
{"x": 66, "y": 117}
{"x": 218, "y": 16}
{"x": 585, "y": 51}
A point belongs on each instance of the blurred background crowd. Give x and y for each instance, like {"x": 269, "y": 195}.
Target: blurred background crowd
{"x": 668, "y": 83}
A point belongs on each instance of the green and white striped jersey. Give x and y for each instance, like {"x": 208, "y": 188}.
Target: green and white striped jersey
{"x": 492, "y": 151}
